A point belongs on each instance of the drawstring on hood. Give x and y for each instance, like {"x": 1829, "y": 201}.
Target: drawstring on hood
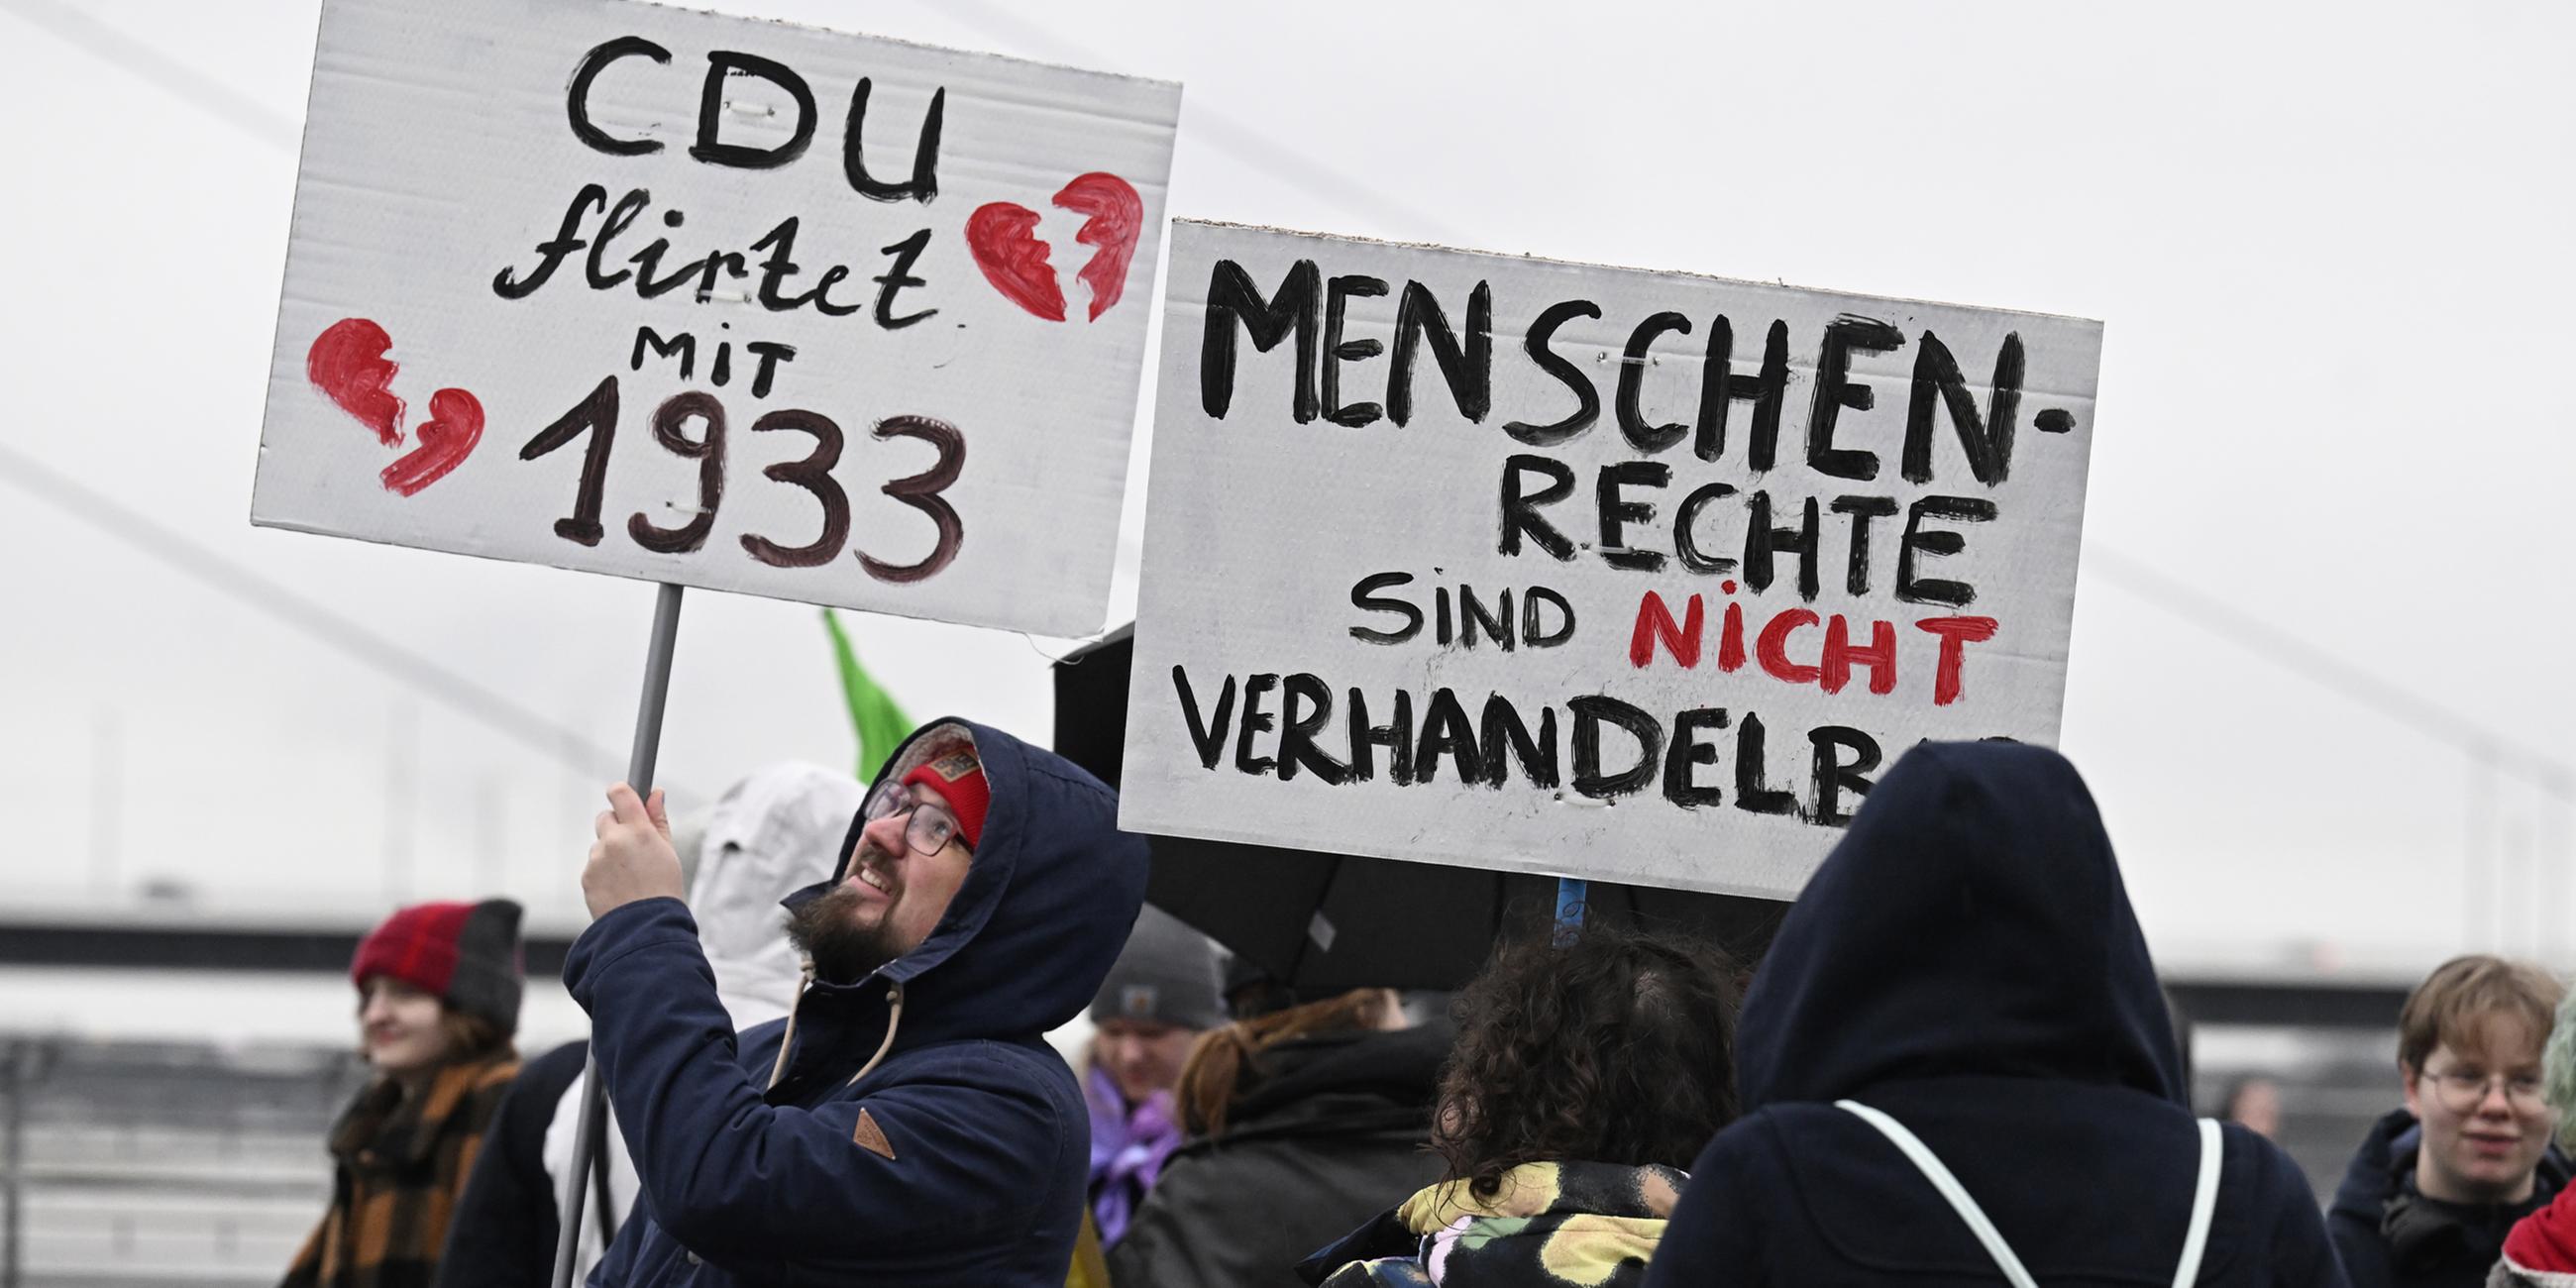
{"x": 894, "y": 1021}
{"x": 787, "y": 1038}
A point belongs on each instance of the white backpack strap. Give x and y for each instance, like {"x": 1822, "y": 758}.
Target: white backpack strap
{"x": 2204, "y": 1204}
{"x": 1931, "y": 1166}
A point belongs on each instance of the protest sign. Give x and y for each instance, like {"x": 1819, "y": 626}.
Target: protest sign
{"x": 708, "y": 301}
{"x": 1549, "y": 567}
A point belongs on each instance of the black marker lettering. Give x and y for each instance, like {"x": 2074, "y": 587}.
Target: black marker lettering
{"x": 1364, "y": 596}
{"x": 925, "y": 154}
{"x": 1233, "y": 298}
{"x": 577, "y": 94}
{"x": 1587, "y": 399}
{"x": 1469, "y": 369}
{"x": 1337, "y": 297}
{"x": 722, "y": 66}
{"x": 1632, "y": 380}
{"x": 1208, "y": 735}
{"x": 1591, "y": 711}
{"x": 1988, "y": 440}
{"x": 1835, "y": 391}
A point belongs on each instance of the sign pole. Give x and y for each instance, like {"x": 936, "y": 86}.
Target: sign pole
{"x": 1571, "y": 892}
{"x": 590, "y": 1127}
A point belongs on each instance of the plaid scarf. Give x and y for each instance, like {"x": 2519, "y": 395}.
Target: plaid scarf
{"x": 401, "y": 1163}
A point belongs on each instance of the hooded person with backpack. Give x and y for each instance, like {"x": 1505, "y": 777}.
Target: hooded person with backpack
{"x": 1956, "y": 1068}
{"x": 907, "y": 1121}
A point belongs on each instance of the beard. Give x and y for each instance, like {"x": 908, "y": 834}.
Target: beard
{"x": 843, "y": 951}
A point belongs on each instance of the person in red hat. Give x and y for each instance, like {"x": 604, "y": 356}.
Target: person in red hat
{"x": 906, "y": 1121}
{"x": 438, "y": 1001}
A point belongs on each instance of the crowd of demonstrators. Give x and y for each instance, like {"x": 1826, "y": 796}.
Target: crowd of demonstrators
{"x": 1303, "y": 1118}
{"x": 1158, "y": 999}
{"x": 2437, "y": 1185}
{"x": 438, "y": 988}
{"x": 1956, "y": 1067}
{"x": 906, "y": 1122}
{"x": 1584, "y": 1078}
{"x": 778, "y": 829}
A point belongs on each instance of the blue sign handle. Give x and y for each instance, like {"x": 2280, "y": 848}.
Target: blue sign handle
{"x": 1570, "y": 895}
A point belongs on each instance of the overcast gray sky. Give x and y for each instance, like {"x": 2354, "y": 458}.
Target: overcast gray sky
{"x": 2329, "y": 243}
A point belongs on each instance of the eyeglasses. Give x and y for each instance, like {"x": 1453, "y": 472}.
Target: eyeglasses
{"x": 928, "y": 829}
{"x": 2462, "y": 1093}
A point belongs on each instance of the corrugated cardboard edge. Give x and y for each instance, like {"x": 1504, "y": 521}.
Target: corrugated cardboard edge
{"x": 1719, "y": 279}
{"x": 924, "y": 45}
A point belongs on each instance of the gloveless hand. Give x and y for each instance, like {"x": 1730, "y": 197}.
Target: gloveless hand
{"x": 633, "y": 858}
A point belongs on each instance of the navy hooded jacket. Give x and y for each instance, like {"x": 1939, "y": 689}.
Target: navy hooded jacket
{"x": 961, "y": 1157}
{"x": 1967, "y": 962}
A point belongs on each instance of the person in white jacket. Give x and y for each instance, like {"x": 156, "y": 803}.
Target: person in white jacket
{"x": 777, "y": 830}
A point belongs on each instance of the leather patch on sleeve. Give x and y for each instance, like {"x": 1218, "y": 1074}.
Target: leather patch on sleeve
{"x": 870, "y": 1137}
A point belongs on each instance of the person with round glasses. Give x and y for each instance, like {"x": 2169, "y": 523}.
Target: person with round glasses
{"x": 910, "y": 854}
{"x": 906, "y": 1121}
{"x": 2436, "y": 1186}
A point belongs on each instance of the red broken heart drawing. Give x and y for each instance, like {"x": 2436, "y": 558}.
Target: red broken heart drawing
{"x": 1001, "y": 235}
{"x": 348, "y": 364}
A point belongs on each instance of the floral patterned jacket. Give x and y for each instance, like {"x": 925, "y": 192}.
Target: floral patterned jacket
{"x": 1549, "y": 1225}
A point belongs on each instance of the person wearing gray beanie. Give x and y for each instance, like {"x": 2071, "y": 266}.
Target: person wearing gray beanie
{"x": 1160, "y": 996}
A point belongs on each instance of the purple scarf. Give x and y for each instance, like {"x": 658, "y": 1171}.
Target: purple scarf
{"x": 1128, "y": 1148}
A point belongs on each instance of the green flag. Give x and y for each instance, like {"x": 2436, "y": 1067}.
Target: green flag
{"x": 880, "y": 724}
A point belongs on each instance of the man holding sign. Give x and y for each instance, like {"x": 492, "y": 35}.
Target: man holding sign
{"x": 761, "y": 308}
{"x": 906, "y": 1123}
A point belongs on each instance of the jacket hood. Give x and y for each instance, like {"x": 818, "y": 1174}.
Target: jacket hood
{"x": 2377, "y": 1168}
{"x": 1329, "y": 1075}
{"x": 1047, "y": 902}
{"x": 1972, "y": 921}
{"x": 772, "y": 831}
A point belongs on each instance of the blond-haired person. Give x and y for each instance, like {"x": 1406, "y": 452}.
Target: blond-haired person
{"x": 2436, "y": 1186}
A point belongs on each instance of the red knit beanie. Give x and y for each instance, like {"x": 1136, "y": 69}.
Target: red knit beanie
{"x": 466, "y": 953}
{"x": 958, "y": 777}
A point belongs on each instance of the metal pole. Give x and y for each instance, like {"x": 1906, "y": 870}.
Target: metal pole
{"x": 591, "y": 1125}
{"x": 1570, "y": 895}
{"x": 13, "y": 1242}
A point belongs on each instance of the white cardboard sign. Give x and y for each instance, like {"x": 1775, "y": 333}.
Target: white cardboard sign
{"x": 1511, "y": 563}
{"x": 756, "y": 307}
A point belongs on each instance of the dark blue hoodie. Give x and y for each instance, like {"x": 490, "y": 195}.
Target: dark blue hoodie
{"x": 753, "y": 1180}
{"x": 1966, "y": 961}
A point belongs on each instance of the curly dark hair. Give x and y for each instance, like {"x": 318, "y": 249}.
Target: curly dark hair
{"x": 1616, "y": 1048}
